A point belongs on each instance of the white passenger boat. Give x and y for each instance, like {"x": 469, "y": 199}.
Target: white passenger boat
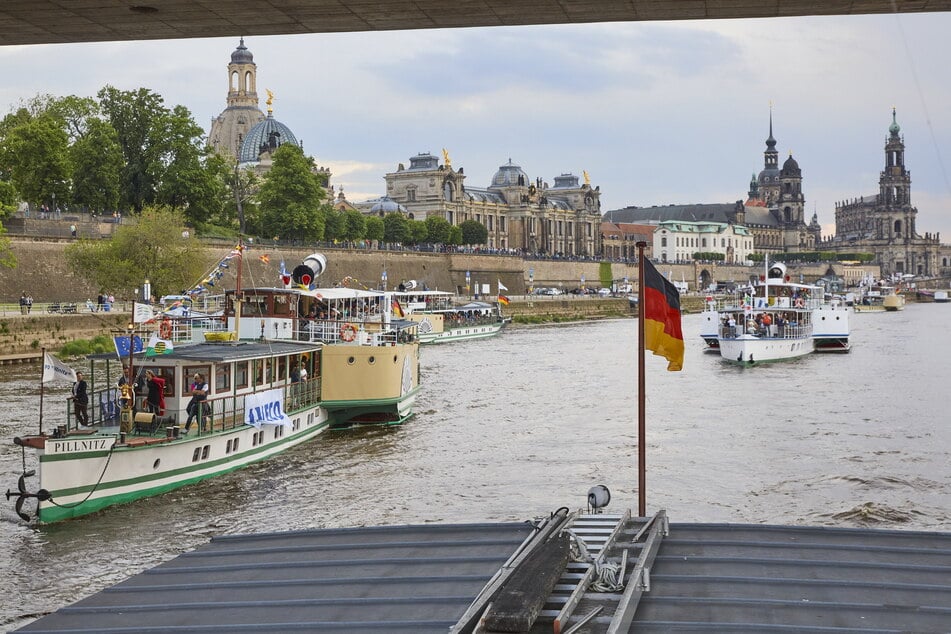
{"x": 831, "y": 328}
{"x": 440, "y": 320}
{"x": 290, "y": 379}
{"x": 773, "y": 321}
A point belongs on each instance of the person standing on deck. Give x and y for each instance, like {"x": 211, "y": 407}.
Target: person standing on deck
{"x": 80, "y": 400}
{"x": 155, "y": 401}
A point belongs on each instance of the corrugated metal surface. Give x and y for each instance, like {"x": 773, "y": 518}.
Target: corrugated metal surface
{"x": 742, "y": 578}
{"x": 392, "y": 579}
{"x": 705, "y": 578}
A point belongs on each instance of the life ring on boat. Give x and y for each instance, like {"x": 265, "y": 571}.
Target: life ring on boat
{"x": 800, "y": 303}
{"x": 165, "y": 328}
{"x": 348, "y": 332}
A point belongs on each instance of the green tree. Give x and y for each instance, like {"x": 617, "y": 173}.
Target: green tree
{"x": 418, "y": 232}
{"x": 185, "y": 182}
{"x": 473, "y": 232}
{"x": 139, "y": 120}
{"x": 152, "y": 249}
{"x": 455, "y": 235}
{"x": 355, "y": 226}
{"x": 96, "y": 162}
{"x": 375, "y": 228}
{"x": 334, "y": 225}
{"x": 37, "y": 154}
{"x": 438, "y": 229}
{"x": 396, "y": 228}
{"x": 291, "y": 198}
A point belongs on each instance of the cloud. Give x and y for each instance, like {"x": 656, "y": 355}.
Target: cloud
{"x": 657, "y": 113}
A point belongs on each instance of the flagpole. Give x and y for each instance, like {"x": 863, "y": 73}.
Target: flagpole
{"x": 641, "y": 388}
{"x": 43, "y": 352}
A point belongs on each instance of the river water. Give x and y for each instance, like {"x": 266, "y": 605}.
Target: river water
{"x": 516, "y": 426}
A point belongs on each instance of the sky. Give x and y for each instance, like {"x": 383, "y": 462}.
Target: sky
{"x": 656, "y": 112}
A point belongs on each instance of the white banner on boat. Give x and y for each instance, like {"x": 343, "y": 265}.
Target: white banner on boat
{"x": 142, "y": 313}
{"x": 265, "y": 408}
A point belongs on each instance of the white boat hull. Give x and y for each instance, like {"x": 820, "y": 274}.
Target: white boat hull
{"x": 109, "y": 473}
{"x": 749, "y": 349}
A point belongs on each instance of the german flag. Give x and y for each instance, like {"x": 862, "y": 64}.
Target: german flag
{"x": 503, "y": 300}
{"x": 662, "y": 332}
{"x": 397, "y": 309}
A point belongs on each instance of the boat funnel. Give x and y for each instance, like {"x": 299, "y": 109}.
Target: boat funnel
{"x": 410, "y": 284}
{"x": 312, "y": 266}
{"x": 777, "y": 270}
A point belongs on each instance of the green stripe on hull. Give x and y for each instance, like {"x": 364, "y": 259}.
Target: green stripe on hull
{"x": 51, "y": 513}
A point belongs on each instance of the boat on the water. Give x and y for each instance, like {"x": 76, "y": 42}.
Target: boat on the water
{"x": 281, "y": 366}
{"x": 829, "y": 321}
{"x": 941, "y": 297}
{"x": 441, "y": 320}
{"x": 772, "y": 321}
{"x": 879, "y": 298}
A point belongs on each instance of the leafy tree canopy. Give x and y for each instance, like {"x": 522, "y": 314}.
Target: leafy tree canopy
{"x": 473, "y": 232}
{"x": 291, "y": 198}
{"x": 151, "y": 249}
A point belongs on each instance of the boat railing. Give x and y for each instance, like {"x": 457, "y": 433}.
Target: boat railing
{"x": 224, "y": 412}
{"x": 788, "y": 330}
{"x": 356, "y": 331}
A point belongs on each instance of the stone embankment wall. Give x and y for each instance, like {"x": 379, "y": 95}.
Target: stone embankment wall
{"x": 28, "y": 334}
{"x": 41, "y": 271}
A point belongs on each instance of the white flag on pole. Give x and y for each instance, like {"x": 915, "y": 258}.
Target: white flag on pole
{"x": 142, "y": 313}
{"x": 501, "y": 287}
{"x": 54, "y": 369}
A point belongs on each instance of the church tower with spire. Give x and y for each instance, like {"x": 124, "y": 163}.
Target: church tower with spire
{"x": 230, "y": 127}
{"x": 768, "y": 180}
{"x": 894, "y": 187}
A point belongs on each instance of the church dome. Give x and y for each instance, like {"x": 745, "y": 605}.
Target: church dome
{"x": 791, "y": 166}
{"x": 387, "y": 205}
{"x": 266, "y": 136}
{"x": 242, "y": 55}
{"x": 894, "y": 128}
{"x": 510, "y": 175}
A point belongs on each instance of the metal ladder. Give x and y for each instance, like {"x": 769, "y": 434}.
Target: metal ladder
{"x": 631, "y": 542}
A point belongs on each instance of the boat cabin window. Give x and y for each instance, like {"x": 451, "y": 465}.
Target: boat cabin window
{"x": 262, "y": 372}
{"x": 166, "y": 373}
{"x": 255, "y": 306}
{"x": 284, "y": 305}
{"x": 281, "y": 370}
{"x": 222, "y": 378}
{"x": 190, "y": 371}
{"x": 241, "y": 375}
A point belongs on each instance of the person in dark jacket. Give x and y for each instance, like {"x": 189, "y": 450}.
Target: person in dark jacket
{"x": 80, "y": 400}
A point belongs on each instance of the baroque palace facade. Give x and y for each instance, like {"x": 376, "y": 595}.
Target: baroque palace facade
{"x": 772, "y": 218}
{"x": 884, "y": 223}
{"x": 521, "y": 215}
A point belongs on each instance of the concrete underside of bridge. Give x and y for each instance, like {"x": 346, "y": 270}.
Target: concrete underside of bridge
{"x": 62, "y": 21}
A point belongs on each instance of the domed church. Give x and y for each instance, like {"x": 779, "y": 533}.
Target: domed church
{"x": 242, "y": 131}
{"x": 230, "y": 128}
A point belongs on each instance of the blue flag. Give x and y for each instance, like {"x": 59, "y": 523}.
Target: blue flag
{"x": 122, "y": 345}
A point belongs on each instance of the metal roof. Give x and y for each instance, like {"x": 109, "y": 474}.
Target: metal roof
{"x": 679, "y": 577}
{"x": 53, "y": 21}
{"x": 220, "y": 351}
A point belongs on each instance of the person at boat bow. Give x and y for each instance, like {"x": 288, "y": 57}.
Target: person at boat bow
{"x": 196, "y": 406}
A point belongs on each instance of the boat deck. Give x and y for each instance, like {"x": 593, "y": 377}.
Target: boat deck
{"x": 438, "y": 578}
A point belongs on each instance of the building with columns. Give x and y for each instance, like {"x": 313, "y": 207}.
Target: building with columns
{"x": 884, "y": 223}
{"x": 520, "y": 214}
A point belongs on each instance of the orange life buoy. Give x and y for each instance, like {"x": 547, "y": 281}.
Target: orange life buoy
{"x": 165, "y": 328}
{"x": 348, "y": 332}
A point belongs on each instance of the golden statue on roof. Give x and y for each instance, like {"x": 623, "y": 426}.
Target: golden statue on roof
{"x": 587, "y": 178}
{"x": 446, "y": 159}
{"x": 270, "y": 100}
